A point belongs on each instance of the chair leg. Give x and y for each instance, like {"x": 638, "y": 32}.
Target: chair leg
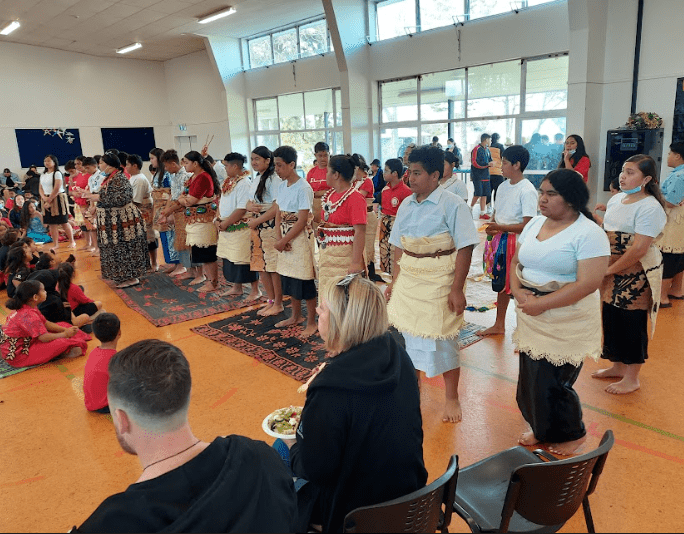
{"x": 587, "y": 515}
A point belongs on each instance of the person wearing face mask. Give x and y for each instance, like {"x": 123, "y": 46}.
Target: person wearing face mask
{"x": 575, "y": 157}
{"x": 633, "y": 221}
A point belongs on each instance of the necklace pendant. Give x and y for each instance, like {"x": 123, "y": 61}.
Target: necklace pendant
{"x": 326, "y": 217}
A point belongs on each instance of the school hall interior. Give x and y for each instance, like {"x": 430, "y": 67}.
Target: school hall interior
{"x": 366, "y": 76}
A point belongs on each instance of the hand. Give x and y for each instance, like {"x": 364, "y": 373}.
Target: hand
{"x": 281, "y": 245}
{"x": 253, "y": 207}
{"x": 521, "y": 295}
{"x": 533, "y": 306}
{"x": 183, "y": 200}
{"x": 492, "y": 229}
{"x": 457, "y": 301}
{"x": 388, "y": 292}
{"x": 600, "y": 207}
{"x": 288, "y": 442}
{"x": 70, "y": 332}
{"x": 252, "y": 223}
{"x": 356, "y": 268}
{"x": 204, "y": 151}
{"x": 217, "y": 224}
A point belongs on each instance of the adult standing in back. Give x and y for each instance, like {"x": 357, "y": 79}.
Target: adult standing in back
{"x": 54, "y": 201}
{"x": 496, "y": 177}
{"x": 480, "y": 162}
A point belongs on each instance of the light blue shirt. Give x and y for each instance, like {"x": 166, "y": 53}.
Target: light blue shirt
{"x": 673, "y": 186}
{"x": 439, "y": 213}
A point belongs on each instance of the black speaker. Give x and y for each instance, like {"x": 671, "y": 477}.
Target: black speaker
{"x": 623, "y": 144}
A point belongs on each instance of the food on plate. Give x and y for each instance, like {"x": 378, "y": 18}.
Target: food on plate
{"x": 285, "y": 420}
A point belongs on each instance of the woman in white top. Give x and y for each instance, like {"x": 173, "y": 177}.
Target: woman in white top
{"x": 264, "y": 258}
{"x": 560, "y": 262}
{"x": 634, "y": 219}
{"x": 54, "y": 201}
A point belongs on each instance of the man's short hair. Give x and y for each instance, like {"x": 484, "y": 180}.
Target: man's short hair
{"x": 678, "y": 148}
{"x": 485, "y": 136}
{"x": 287, "y": 153}
{"x": 87, "y": 162}
{"x": 395, "y": 165}
{"x": 430, "y": 157}
{"x": 134, "y": 159}
{"x": 451, "y": 158}
{"x": 150, "y": 378}
{"x": 517, "y": 154}
{"x": 106, "y": 327}
{"x": 170, "y": 156}
{"x": 321, "y": 147}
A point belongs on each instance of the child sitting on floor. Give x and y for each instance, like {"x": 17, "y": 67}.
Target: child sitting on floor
{"x": 83, "y": 309}
{"x": 27, "y": 338}
{"x": 107, "y": 330}
{"x": 32, "y": 223}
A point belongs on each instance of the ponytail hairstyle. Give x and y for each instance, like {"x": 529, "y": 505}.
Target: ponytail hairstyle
{"x": 361, "y": 162}
{"x": 44, "y": 261}
{"x": 265, "y": 153}
{"x": 570, "y": 185}
{"x": 195, "y": 156}
{"x": 25, "y": 292}
{"x": 54, "y": 160}
{"x": 16, "y": 258}
{"x": 647, "y": 166}
{"x": 345, "y": 165}
{"x": 65, "y": 273}
{"x": 159, "y": 171}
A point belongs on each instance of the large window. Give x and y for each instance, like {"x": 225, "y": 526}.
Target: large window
{"x": 289, "y": 44}
{"x": 401, "y": 17}
{"x": 515, "y": 99}
{"x": 300, "y": 120}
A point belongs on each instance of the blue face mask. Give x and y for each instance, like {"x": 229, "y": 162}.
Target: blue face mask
{"x": 631, "y": 191}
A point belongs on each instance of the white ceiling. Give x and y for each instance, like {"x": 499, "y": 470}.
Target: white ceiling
{"x": 166, "y": 28}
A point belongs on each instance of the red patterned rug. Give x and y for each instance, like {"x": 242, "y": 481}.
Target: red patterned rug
{"x": 165, "y": 300}
{"x": 280, "y": 348}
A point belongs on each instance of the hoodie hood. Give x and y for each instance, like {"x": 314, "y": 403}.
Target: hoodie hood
{"x": 373, "y": 367}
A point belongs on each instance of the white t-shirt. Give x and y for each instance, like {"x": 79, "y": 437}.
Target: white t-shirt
{"x": 142, "y": 188}
{"x": 646, "y": 217}
{"x": 237, "y": 199}
{"x": 271, "y": 191}
{"x": 299, "y": 196}
{"x": 555, "y": 259}
{"x": 514, "y": 202}
{"x": 46, "y": 182}
{"x": 457, "y": 186}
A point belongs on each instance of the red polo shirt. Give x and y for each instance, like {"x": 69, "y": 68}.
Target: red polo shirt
{"x": 392, "y": 197}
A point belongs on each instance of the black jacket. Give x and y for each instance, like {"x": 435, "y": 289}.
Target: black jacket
{"x": 360, "y": 440}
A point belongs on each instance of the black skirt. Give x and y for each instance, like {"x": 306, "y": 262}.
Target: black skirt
{"x": 298, "y": 289}
{"x": 548, "y": 401}
{"x": 89, "y": 308}
{"x": 673, "y": 264}
{"x": 238, "y": 274}
{"x": 625, "y": 335}
{"x": 202, "y": 255}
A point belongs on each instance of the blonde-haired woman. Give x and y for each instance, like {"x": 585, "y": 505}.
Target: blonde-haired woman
{"x": 360, "y": 440}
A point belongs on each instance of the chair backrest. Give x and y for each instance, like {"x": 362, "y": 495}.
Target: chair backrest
{"x": 549, "y": 493}
{"x": 420, "y": 511}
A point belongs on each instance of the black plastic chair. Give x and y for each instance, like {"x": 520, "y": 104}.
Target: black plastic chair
{"x": 522, "y": 491}
{"x": 420, "y": 511}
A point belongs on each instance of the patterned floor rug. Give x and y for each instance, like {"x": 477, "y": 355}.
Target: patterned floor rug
{"x": 280, "y": 348}
{"x": 165, "y": 300}
{"x": 7, "y": 370}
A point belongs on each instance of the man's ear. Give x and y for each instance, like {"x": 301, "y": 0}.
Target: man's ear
{"x": 124, "y": 421}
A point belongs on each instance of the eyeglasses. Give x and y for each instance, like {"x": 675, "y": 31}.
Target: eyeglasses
{"x": 345, "y": 283}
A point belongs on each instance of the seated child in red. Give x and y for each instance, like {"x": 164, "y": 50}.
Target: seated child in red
{"x": 107, "y": 329}
{"x": 27, "y": 338}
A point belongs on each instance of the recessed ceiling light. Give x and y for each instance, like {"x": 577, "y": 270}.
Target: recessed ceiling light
{"x": 129, "y": 48}
{"x": 10, "y": 28}
{"x": 217, "y": 15}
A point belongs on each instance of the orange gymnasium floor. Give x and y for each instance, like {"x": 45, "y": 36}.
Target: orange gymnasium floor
{"x": 60, "y": 461}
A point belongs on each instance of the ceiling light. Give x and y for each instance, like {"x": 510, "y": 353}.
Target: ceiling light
{"x": 217, "y": 15}
{"x": 129, "y": 48}
{"x": 10, "y": 28}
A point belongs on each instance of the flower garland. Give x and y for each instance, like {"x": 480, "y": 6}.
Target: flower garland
{"x": 644, "y": 121}
{"x": 329, "y": 208}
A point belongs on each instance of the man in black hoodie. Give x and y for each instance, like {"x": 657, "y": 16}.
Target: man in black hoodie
{"x": 233, "y": 484}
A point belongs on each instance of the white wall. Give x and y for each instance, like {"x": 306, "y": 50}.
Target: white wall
{"x": 44, "y": 88}
{"x": 197, "y": 98}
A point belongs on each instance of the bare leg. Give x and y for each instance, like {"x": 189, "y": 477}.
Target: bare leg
{"x": 502, "y": 300}
{"x": 629, "y": 382}
{"x": 311, "y": 323}
{"x": 199, "y": 275}
{"x": 677, "y": 290}
{"x": 233, "y": 291}
{"x": 75, "y": 352}
{"x": 474, "y": 201}
{"x": 568, "y": 448}
{"x": 211, "y": 276}
{"x": 527, "y": 439}
{"x": 296, "y": 316}
{"x": 54, "y": 233}
{"x": 452, "y": 406}
{"x": 70, "y": 234}
{"x": 665, "y": 288}
{"x": 254, "y": 294}
{"x": 153, "y": 260}
{"x": 483, "y": 205}
{"x": 617, "y": 370}
{"x": 277, "y": 306}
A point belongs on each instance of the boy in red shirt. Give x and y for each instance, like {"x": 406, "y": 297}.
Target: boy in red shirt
{"x": 107, "y": 329}
{"x": 392, "y": 196}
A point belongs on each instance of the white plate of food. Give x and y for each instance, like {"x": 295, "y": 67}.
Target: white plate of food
{"x": 283, "y": 422}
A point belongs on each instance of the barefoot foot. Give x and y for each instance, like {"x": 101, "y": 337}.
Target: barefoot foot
{"x": 611, "y": 372}
{"x": 274, "y": 310}
{"x": 624, "y": 386}
{"x": 265, "y": 308}
{"x": 290, "y": 321}
{"x": 309, "y": 331}
{"x": 452, "y": 411}
{"x": 178, "y": 271}
{"x": 568, "y": 448}
{"x": 208, "y": 287}
{"x": 253, "y": 297}
{"x": 495, "y": 330}
{"x": 199, "y": 280}
{"x": 527, "y": 439}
